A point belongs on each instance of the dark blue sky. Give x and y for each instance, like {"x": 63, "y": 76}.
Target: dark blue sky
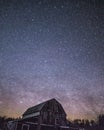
{"x": 52, "y": 49}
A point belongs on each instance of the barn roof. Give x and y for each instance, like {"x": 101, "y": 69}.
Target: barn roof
{"x": 36, "y": 108}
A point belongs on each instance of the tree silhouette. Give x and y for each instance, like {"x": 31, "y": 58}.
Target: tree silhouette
{"x": 3, "y": 122}
{"x": 101, "y": 120}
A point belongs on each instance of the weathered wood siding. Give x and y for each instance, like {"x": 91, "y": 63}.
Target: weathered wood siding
{"x": 53, "y": 113}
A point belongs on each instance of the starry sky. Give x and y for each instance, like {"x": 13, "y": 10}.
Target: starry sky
{"x": 52, "y": 49}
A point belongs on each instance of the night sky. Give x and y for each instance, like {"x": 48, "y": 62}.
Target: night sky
{"x": 52, "y": 49}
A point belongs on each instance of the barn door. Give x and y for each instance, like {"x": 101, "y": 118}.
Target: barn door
{"x": 25, "y": 127}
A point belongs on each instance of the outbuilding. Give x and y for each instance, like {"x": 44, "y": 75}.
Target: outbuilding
{"x": 48, "y": 115}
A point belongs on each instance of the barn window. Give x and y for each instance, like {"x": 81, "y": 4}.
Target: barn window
{"x": 56, "y": 121}
{"x": 25, "y": 127}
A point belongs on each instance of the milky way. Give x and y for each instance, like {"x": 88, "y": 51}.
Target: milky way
{"x": 52, "y": 49}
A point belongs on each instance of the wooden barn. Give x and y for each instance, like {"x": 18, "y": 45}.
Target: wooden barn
{"x": 48, "y": 115}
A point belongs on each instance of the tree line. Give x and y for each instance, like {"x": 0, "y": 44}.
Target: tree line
{"x": 97, "y": 124}
{"x": 78, "y": 123}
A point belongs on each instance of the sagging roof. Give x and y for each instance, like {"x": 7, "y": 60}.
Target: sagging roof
{"x": 37, "y": 108}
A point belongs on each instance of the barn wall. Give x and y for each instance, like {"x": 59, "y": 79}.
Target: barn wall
{"x": 42, "y": 127}
{"x": 31, "y": 126}
{"x": 53, "y": 113}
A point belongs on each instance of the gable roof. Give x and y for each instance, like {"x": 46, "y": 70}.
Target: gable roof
{"x": 36, "y": 108}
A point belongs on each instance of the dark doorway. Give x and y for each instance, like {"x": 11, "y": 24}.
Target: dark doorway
{"x": 25, "y": 127}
